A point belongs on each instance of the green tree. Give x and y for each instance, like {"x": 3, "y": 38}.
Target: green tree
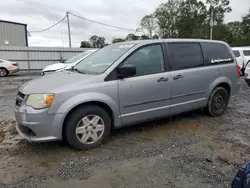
{"x": 246, "y": 23}
{"x": 144, "y": 37}
{"x": 116, "y": 40}
{"x": 166, "y": 18}
{"x": 246, "y": 28}
{"x": 131, "y": 36}
{"x": 222, "y": 32}
{"x": 220, "y": 8}
{"x": 97, "y": 42}
{"x": 85, "y": 44}
{"x": 155, "y": 37}
{"x": 148, "y": 25}
{"x": 237, "y": 35}
{"x": 191, "y": 23}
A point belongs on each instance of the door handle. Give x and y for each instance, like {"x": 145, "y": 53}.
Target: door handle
{"x": 177, "y": 77}
{"x": 162, "y": 79}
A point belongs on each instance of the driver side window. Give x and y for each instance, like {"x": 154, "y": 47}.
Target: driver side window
{"x": 147, "y": 60}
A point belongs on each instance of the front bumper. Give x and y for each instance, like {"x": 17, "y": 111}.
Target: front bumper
{"x": 37, "y": 125}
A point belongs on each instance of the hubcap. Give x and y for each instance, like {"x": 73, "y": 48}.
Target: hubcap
{"x": 2, "y": 72}
{"x": 219, "y": 102}
{"x": 90, "y": 129}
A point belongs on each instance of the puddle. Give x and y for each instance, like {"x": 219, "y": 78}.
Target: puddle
{"x": 80, "y": 154}
{"x": 44, "y": 164}
{"x": 177, "y": 127}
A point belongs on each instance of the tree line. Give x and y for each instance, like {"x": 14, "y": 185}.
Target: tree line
{"x": 188, "y": 19}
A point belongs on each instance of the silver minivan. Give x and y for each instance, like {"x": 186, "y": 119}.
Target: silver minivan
{"x": 127, "y": 83}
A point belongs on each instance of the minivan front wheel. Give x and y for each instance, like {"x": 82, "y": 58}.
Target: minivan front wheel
{"x": 87, "y": 127}
{"x": 218, "y": 102}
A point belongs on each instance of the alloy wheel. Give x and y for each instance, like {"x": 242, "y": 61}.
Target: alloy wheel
{"x": 90, "y": 129}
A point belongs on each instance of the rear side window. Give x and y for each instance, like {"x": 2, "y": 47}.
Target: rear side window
{"x": 246, "y": 52}
{"x": 184, "y": 55}
{"x": 236, "y": 53}
{"x": 1, "y": 61}
{"x": 216, "y": 53}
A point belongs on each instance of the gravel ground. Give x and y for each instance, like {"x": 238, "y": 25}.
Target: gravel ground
{"x": 188, "y": 150}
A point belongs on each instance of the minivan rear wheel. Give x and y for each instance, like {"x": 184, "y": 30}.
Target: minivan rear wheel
{"x": 218, "y": 102}
{"x": 87, "y": 127}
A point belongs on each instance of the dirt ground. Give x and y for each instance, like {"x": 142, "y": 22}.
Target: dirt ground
{"x": 188, "y": 150}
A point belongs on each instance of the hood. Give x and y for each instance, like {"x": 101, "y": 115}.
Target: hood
{"x": 59, "y": 82}
{"x": 54, "y": 67}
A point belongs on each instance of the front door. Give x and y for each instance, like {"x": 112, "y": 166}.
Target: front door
{"x": 147, "y": 94}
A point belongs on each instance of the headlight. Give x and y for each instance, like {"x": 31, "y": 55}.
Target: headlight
{"x": 40, "y": 101}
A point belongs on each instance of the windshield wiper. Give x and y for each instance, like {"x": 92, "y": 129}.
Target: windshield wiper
{"x": 76, "y": 70}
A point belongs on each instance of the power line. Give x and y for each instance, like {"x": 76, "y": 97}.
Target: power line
{"x": 122, "y": 28}
{"x": 48, "y": 27}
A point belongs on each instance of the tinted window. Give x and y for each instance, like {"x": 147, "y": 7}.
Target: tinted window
{"x": 246, "y": 52}
{"x": 216, "y": 53}
{"x": 236, "y": 53}
{"x": 147, "y": 60}
{"x": 184, "y": 55}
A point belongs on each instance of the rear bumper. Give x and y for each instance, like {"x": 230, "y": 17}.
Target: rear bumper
{"x": 13, "y": 70}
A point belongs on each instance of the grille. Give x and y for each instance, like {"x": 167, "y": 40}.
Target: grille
{"x": 19, "y": 99}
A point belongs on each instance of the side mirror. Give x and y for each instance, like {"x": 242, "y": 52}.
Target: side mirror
{"x": 126, "y": 70}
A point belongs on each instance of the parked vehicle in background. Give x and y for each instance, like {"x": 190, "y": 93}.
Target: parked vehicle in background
{"x": 67, "y": 64}
{"x": 8, "y": 67}
{"x": 242, "y": 177}
{"x": 247, "y": 79}
{"x": 126, "y": 83}
{"x": 242, "y": 55}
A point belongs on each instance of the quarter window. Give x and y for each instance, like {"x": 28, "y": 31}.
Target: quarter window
{"x": 246, "y": 52}
{"x": 147, "y": 60}
{"x": 185, "y": 55}
{"x": 216, "y": 53}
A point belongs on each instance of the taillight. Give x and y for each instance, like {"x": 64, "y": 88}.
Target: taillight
{"x": 238, "y": 70}
{"x": 15, "y": 64}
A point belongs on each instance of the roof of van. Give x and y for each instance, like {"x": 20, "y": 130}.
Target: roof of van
{"x": 173, "y": 40}
{"x": 241, "y": 48}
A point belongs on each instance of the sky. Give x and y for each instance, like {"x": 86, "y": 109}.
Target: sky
{"x": 40, "y": 14}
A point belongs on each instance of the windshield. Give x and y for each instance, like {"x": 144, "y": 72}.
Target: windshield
{"x": 98, "y": 62}
{"x": 78, "y": 57}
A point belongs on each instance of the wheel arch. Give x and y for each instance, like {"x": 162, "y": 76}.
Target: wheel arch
{"x": 221, "y": 82}
{"x": 5, "y": 69}
{"x": 101, "y": 104}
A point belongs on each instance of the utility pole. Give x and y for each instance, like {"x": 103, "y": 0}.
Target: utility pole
{"x": 211, "y": 22}
{"x": 67, "y": 14}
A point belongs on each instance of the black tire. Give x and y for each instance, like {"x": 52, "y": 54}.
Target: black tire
{"x": 218, "y": 102}
{"x": 73, "y": 120}
{"x": 3, "y": 72}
